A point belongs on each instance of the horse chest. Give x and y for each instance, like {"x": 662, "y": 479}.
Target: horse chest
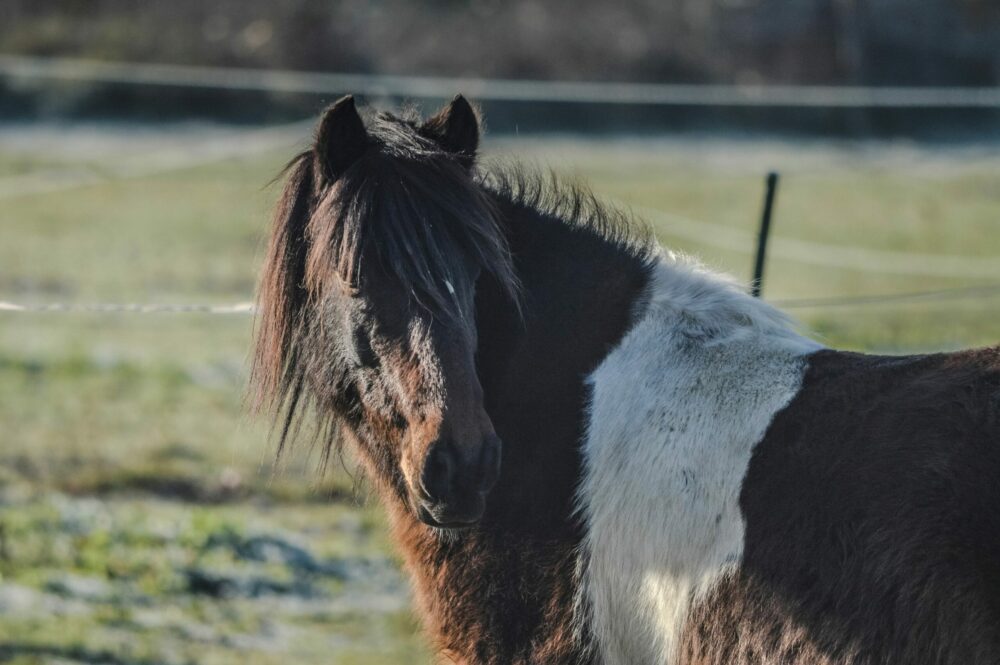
{"x": 673, "y": 423}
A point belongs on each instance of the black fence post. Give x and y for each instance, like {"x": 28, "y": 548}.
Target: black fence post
{"x": 765, "y": 229}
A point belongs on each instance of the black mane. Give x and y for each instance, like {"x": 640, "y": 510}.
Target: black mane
{"x": 573, "y": 204}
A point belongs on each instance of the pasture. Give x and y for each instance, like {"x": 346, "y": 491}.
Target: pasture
{"x": 141, "y": 518}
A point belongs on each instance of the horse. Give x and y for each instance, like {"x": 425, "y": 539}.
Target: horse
{"x": 592, "y": 450}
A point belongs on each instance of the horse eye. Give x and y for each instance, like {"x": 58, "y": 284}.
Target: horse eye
{"x": 363, "y": 347}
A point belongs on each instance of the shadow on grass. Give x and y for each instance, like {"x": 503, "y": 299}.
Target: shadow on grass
{"x": 11, "y": 650}
{"x": 99, "y": 478}
{"x": 186, "y": 489}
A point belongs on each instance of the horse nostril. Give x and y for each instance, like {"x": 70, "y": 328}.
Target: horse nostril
{"x": 453, "y": 487}
{"x": 438, "y": 471}
{"x": 447, "y": 478}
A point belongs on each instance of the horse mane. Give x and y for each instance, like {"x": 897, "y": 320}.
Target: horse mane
{"x": 574, "y": 204}
{"x": 281, "y": 296}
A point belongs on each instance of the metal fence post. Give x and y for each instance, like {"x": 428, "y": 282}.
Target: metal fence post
{"x": 765, "y": 229}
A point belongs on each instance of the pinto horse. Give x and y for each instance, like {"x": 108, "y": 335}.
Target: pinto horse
{"x": 594, "y": 451}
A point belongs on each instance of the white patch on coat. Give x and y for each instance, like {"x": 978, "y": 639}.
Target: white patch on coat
{"x": 676, "y": 410}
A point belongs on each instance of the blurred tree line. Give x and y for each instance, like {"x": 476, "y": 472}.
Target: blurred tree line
{"x": 902, "y": 42}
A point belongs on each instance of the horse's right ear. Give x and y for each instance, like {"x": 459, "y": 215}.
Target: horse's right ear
{"x": 341, "y": 138}
{"x": 456, "y": 129}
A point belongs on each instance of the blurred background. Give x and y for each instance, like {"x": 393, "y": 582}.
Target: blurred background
{"x": 141, "y": 518}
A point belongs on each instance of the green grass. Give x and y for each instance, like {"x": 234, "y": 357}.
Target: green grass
{"x": 134, "y": 424}
{"x": 111, "y": 581}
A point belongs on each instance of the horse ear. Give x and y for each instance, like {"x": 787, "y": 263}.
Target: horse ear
{"x": 456, "y": 129}
{"x": 341, "y": 138}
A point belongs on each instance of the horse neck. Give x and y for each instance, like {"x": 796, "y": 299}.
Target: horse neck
{"x": 581, "y": 293}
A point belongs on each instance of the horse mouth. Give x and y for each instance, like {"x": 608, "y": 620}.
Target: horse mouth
{"x": 441, "y": 519}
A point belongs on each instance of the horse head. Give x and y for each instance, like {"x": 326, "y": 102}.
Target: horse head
{"x": 366, "y": 305}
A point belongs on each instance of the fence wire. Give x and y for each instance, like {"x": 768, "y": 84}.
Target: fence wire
{"x": 426, "y": 87}
{"x": 133, "y": 308}
{"x": 842, "y": 257}
{"x": 985, "y": 291}
{"x": 943, "y": 295}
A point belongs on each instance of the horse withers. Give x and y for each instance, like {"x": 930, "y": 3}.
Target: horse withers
{"x": 594, "y": 451}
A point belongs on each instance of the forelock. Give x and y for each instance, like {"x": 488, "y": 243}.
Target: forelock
{"x": 418, "y": 211}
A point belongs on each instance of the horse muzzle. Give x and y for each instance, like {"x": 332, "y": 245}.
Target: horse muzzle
{"x": 454, "y": 484}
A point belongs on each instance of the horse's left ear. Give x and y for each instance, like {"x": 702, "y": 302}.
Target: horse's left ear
{"x": 456, "y": 129}
{"x": 341, "y": 138}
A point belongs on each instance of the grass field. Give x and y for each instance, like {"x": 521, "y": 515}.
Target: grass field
{"x": 141, "y": 520}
